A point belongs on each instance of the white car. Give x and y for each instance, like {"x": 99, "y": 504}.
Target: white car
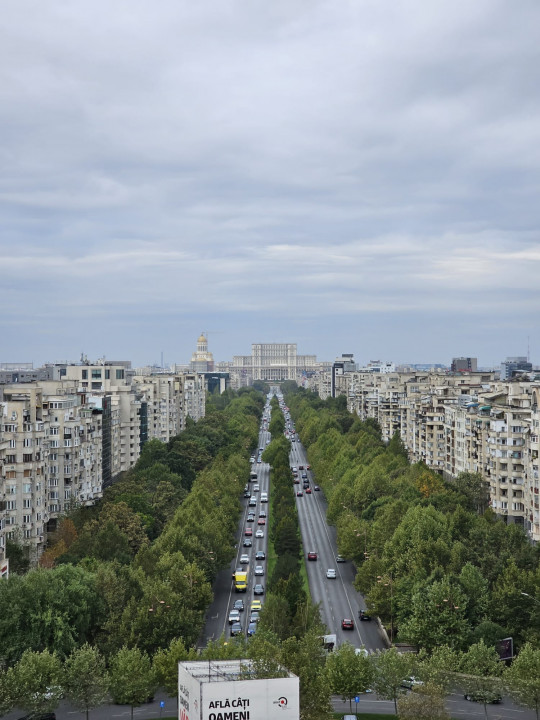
{"x": 259, "y": 534}
{"x": 331, "y": 573}
{"x": 244, "y": 559}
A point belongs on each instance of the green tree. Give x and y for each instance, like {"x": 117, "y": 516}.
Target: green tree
{"x": 86, "y": 681}
{"x": 391, "y": 668}
{"x": 424, "y": 702}
{"x": 132, "y": 678}
{"x": 37, "y": 679}
{"x": 7, "y": 693}
{"x": 306, "y": 658}
{"x": 481, "y": 671}
{"x": 436, "y": 617}
{"x": 166, "y": 665}
{"x": 522, "y": 678}
{"x": 348, "y": 673}
{"x": 475, "y": 488}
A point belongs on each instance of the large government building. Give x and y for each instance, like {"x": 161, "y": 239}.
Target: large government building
{"x": 272, "y": 362}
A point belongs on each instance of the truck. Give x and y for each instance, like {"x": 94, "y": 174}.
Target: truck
{"x": 240, "y": 578}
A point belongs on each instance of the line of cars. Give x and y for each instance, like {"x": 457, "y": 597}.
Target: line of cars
{"x": 241, "y": 574}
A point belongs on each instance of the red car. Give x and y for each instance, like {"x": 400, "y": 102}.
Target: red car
{"x": 261, "y": 521}
{"x": 347, "y": 624}
{"x": 308, "y": 467}
{"x": 308, "y": 491}
{"x": 312, "y": 555}
{"x": 248, "y": 532}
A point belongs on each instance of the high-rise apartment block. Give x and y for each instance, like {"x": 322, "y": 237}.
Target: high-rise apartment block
{"x": 459, "y": 422}
{"x": 66, "y": 437}
{"x": 464, "y": 364}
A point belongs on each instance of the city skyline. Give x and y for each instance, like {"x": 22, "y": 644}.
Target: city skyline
{"x": 356, "y": 178}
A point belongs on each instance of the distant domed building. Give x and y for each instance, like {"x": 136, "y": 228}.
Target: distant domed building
{"x": 202, "y": 361}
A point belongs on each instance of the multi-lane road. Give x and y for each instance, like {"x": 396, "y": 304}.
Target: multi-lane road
{"x": 224, "y": 592}
{"x": 337, "y": 597}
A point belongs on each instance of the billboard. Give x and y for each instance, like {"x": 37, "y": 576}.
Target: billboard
{"x": 251, "y": 699}
{"x": 217, "y": 691}
{"x": 189, "y": 695}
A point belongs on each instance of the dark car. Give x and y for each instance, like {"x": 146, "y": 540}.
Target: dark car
{"x": 248, "y": 542}
{"x": 252, "y": 629}
{"x": 316, "y": 487}
{"x": 364, "y": 616}
{"x": 239, "y": 605}
{"x": 260, "y": 555}
{"x": 347, "y": 624}
{"x": 258, "y": 589}
{"x": 299, "y": 494}
{"x": 236, "y": 629}
{"x": 250, "y": 518}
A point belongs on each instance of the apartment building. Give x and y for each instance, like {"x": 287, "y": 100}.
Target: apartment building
{"x": 459, "y": 422}
{"x": 63, "y": 440}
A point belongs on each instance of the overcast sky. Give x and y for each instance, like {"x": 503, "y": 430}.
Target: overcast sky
{"x": 351, "y": 175}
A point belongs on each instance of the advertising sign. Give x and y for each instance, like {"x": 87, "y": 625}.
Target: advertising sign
{"x": 251, "y": 699}
{"x": 189, "y": 696}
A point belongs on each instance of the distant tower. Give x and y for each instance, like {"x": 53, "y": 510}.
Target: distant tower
{"x": 202, "y": 360}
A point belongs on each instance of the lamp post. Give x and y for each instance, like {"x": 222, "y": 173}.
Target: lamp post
{"x": 530, "y": 597}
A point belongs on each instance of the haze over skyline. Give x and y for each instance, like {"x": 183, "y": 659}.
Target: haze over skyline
{"x": 353, "y": 177}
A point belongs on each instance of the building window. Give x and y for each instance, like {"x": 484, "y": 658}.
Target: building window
{"x": 27, "y": 487}
{"x": 96, "y": 386}
{"x": 107, "y": 374}
{"x": 11, "y": 504}
{"x": 119, "y": 374}
{"x": 96, "y": 374}
{"x": 27, "y": 519}
{"x": 27, "y": 503}
{"x": 85, "y": 374}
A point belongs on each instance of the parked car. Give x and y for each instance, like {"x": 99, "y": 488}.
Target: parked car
{"x": 410, "y": 682}
{"x": 340, "y": 559}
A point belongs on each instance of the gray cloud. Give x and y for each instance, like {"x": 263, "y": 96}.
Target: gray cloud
{"x": 269, "y": 160}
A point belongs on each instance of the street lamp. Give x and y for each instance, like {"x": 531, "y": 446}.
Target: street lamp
{"x": 530, "y": 597}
